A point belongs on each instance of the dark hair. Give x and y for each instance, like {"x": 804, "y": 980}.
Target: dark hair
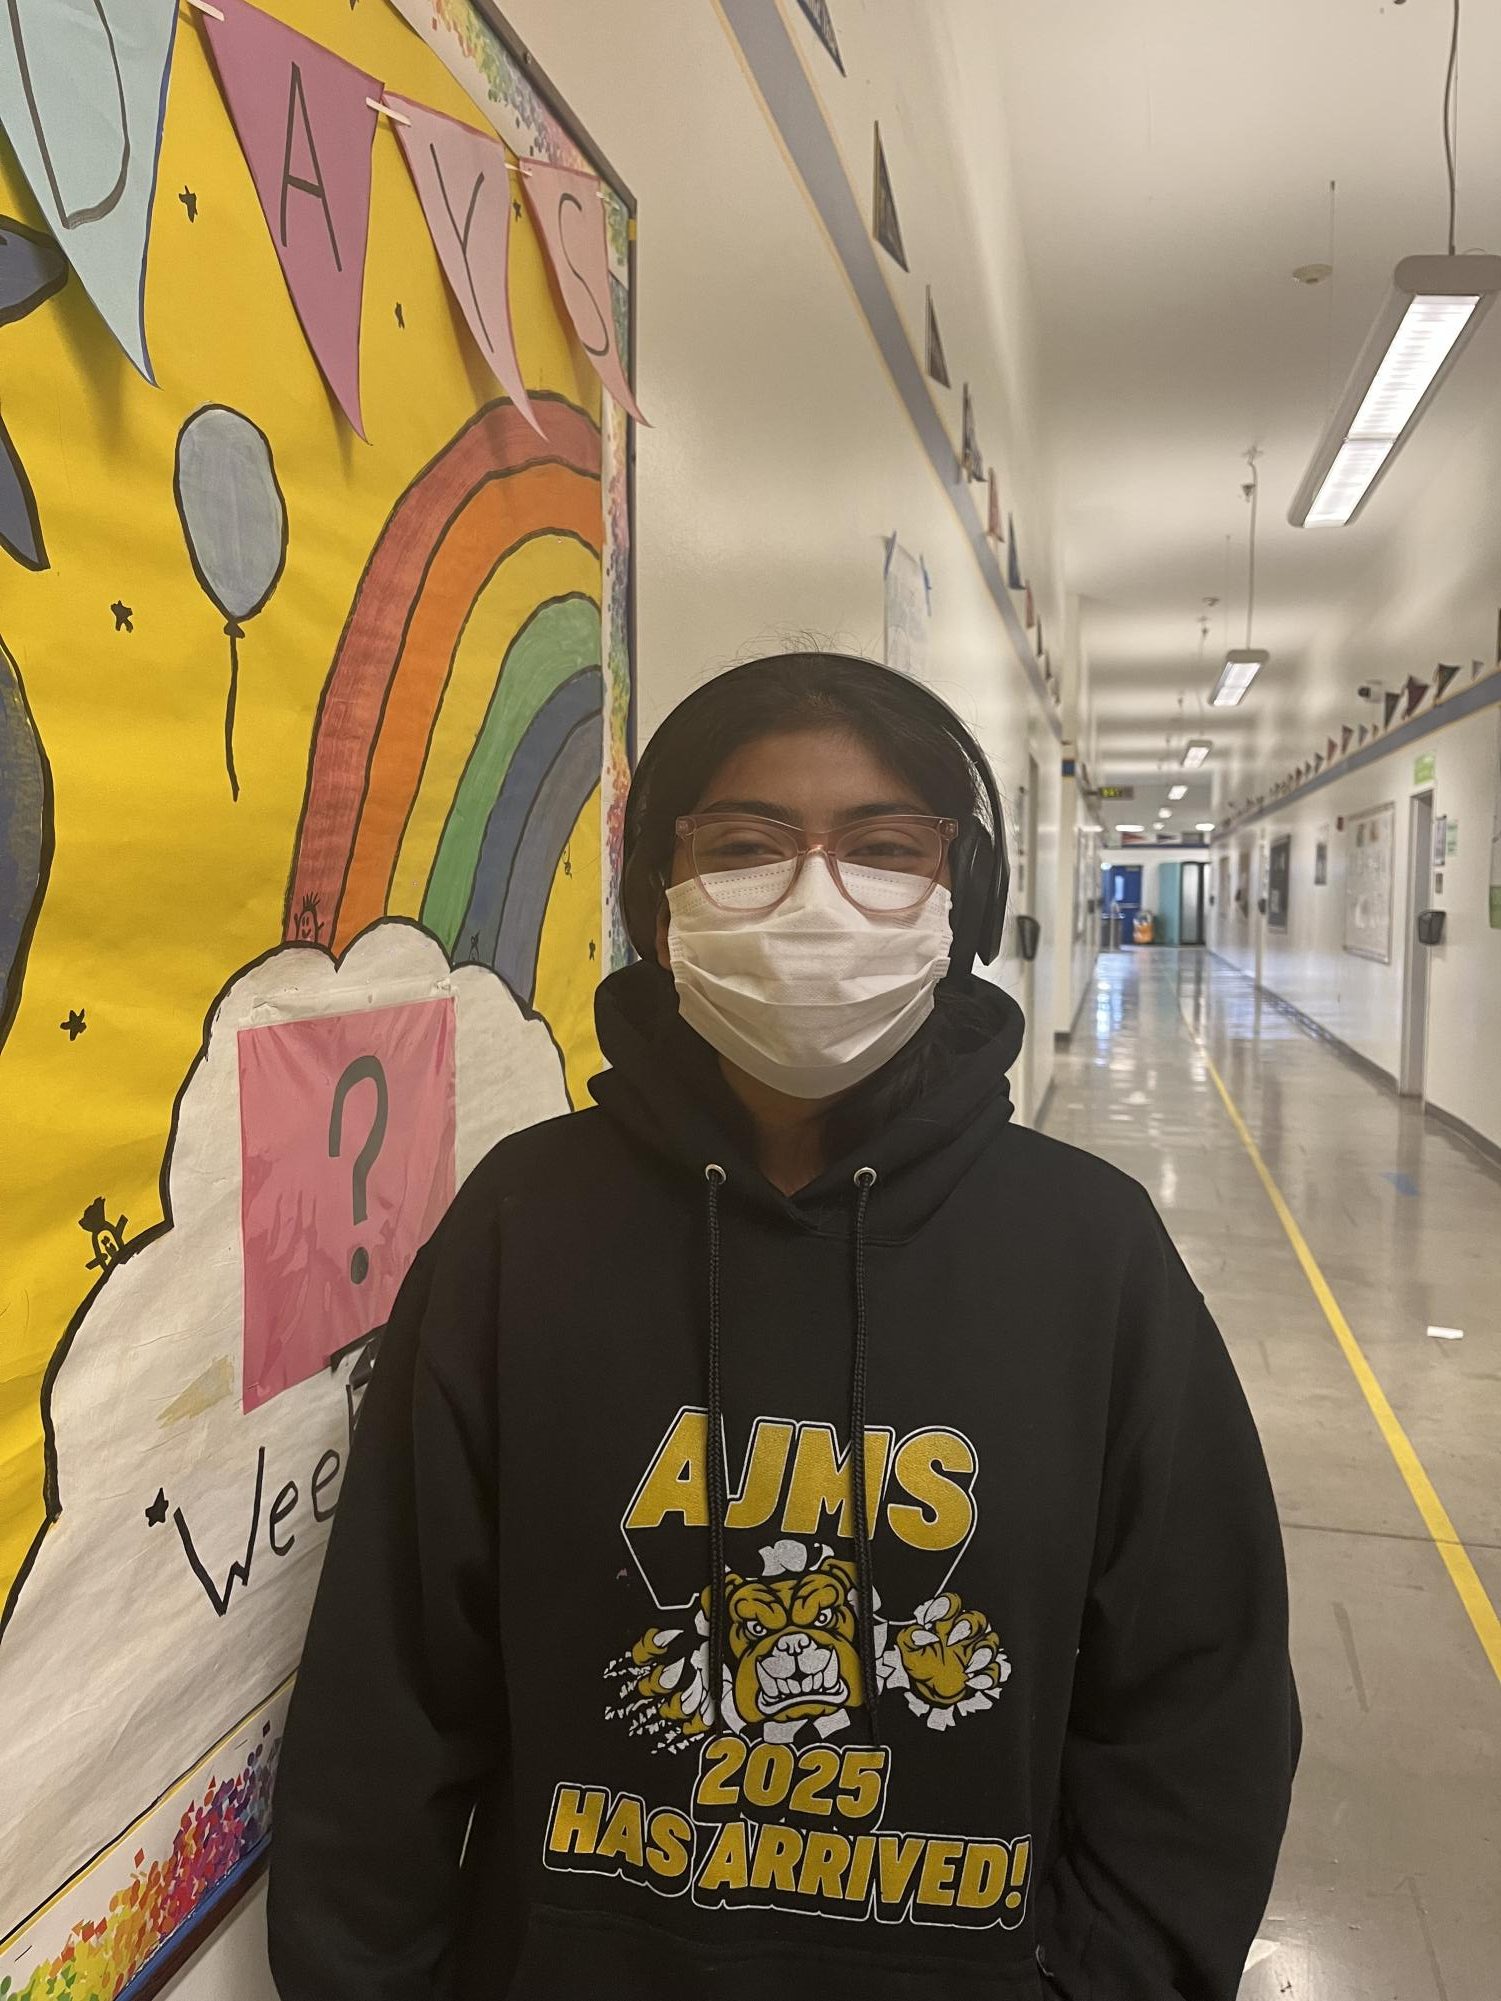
{"x": 779, "y": 695}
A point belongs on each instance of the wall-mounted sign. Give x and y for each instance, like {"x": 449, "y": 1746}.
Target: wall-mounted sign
{"x": 1424, "y": 768}
{"x": 1116, "y": 792}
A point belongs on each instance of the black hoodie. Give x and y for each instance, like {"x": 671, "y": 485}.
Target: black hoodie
{"x": 505, "y": 1773}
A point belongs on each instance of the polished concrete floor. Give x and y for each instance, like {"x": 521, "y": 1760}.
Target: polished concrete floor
{"x": 1390, "y": 1884}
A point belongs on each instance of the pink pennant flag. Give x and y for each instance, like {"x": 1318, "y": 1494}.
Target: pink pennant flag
{"x": 306, "y": 130}
{"x": 464, "y": 186}
{"x": 567, "y": 207}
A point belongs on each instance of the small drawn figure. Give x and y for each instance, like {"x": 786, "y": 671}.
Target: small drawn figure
{"x": 474, "y": 945}
{"x": 568, "y": 859}
{"x": 309, "y": 924}
{"x": 75, "y": 1024}
{"x": 123, "y": 614}
{"x": 190, "y": 202}
{"x": 401, "y": 318}
{"x": 591, "y": 950}
{"x": 107, "y": 1238}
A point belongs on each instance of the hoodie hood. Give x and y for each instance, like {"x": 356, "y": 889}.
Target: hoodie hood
{"x": 655, "y": 1090}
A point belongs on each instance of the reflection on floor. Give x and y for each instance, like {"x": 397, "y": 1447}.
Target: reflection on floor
{"x": 1390, "y": 1885}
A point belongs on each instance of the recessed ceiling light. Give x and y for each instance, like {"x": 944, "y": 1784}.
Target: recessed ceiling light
{"x": 1177, "y": 792}
{"x": 1313, "y": 274}
{"x": 1129, "y": 827}
{"x": 1164, "y": 812}
{"x": 1195, "y": 751}
{"x": 1204, "y": 826}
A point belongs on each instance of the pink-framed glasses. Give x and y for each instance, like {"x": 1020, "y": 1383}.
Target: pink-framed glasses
{"x": 885, "y": 866}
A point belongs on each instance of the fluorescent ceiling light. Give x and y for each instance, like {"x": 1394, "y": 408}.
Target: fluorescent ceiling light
{"x": 1177, "y": 792}
{"x": 1435, "y": 304}
{"x": 1164, "y": 812}
{"x": 1195, "y": 751}
{"x": 1239, "y": 671}
{"x": 1204, "y": 826}
{"x": 1129, "y": 827}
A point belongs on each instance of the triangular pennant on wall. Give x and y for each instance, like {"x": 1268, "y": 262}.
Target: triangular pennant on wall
{"x": 1031, "y": 609}
{"x": 1329, "y": 749}
{"x": 464, "y": 185}
{"x": 1443, "y": 676}
{"x": 885, "y": 224}
{"x": 1013, "y": 561}
{"x": 82, "y": 94}
{"x": 937, "y": 363}
{"x": 1391, "y": 706}
{"x": 1364, "y": 733}
{"x": 569, "y": 212}
{"x": 993, "y": 526}
{"x": 1415, "y": 691}
{"x": 1318, "y": 762}
{"x": 305, "y": 127}
{"x": 1344, "y": 737}
{"x": 969, "y": 449}
{"x": 822, "y": 23}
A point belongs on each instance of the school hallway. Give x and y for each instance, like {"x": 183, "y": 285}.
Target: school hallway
{"x": 1387, "y": 1885}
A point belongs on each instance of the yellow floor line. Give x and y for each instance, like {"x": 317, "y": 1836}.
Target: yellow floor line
{"x": 1456, "y": 1558}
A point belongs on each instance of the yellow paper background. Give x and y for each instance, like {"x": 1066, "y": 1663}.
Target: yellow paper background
{"x": 161, "y": 887}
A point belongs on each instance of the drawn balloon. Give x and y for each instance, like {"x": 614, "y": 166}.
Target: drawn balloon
{"x": 234, "y": 521}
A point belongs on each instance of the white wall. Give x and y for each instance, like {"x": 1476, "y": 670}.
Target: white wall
{"x": 1360, "y": 1000}
{"x": 780, "y": 453}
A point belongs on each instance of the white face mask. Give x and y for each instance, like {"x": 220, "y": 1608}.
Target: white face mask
{"x": 812, "y": 997}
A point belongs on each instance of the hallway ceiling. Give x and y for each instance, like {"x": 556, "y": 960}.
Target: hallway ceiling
{"x": 1172, "y": 163}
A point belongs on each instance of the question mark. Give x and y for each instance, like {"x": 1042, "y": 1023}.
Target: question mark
{"x": 357, "y": 1072}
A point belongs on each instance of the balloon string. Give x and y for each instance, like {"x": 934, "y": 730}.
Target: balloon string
{"x": 235, "y": 633}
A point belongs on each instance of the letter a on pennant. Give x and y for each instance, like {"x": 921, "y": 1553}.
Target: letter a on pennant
{"x": 306, "y": 132}
{"x": 571, "y": 217}
{"x": 464, "y": 186}
{"x": 83, "y": 85}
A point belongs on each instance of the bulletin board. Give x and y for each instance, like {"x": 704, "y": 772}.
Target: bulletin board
{"x": 1370, "y": 875}
{"x": 316, "y": 698}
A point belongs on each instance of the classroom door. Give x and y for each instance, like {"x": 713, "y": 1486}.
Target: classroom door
{"x": 1191, "y": 903}
{"x": 1414, "y": 1065}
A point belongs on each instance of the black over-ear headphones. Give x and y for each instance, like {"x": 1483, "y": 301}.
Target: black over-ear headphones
{"x": 978, "y": 861}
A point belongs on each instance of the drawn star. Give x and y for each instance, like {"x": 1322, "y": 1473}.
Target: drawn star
{"x": 124, "y": 613}
{"x": 156, "y": 1514}
{"x": 401, "y": 318}
{"x": 516, "y": 209}
{"x": 189, "y": 201}
{"x": 75, "y": 1024}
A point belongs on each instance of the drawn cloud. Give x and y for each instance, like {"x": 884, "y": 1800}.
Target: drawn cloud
{"x": 167, "y": 1596}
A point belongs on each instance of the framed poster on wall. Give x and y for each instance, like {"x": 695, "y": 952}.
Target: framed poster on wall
{"x": 1370, "y": 871}
{"x": 1278, "y": 880}
{"x": 350, "y": 750}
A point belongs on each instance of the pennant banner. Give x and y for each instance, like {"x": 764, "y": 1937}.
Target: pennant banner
{"x": 305, "y": 128}
{"x": 83, "y": 87}
{"x": 464, "y": 185}
{"x": 567, "y": 209}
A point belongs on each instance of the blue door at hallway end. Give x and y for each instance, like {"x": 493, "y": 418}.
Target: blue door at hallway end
{"x": 1122, "y": 895}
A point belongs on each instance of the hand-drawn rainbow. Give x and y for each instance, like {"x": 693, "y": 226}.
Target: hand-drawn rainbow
{"x": 442, "y": 786}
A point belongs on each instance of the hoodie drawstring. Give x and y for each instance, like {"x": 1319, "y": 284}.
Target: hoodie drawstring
{"x": 865, "y": 1181}
{"x": 714, "y": 1177}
